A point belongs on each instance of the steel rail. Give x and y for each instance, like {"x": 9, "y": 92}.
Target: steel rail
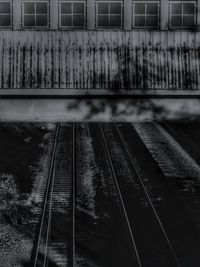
{"x": 174, "y": 132}
{"x": 147, "y": 194}
{"x": 170, "y": 128}
{"x": 47, "y": 193}
{"x": 73, "y": 192}
{"x": 120, "y": 195}
{"x": 49, "y": 219}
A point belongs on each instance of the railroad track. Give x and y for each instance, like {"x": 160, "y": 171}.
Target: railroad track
{"x": 54, "y": 246}
{"x": 145, "y": 192}
{"x": 120, "y": 195}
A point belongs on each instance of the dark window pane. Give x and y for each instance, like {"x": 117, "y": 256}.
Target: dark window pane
{"x": 29, "y": 8}
{"x": 41, "y": 8}
{"x": 103, "y": 21}
{"x": 78, "y": 8}
{"x": 78, "y": 20}
{"x": 140, "y": 21}
{"x": 176, "y": 8}
{"x": 66, "y": 21}
{"x": 152, "y": 21}
{"x": 29, "y": 20}
{"x": 115, "y": 21}
{"x": 115, "y": 8}
{"x": 188, "y": 21}
{"x": 5, "y": 20}
{"x": 41, "y": 20}
{"x": 176, "y": 21}
{"x": 4, "y": 7}
{"x": 102, "y": 8}
{"x": 188, "y": 8}
{"x": 140, "y": 8}
{"x": 152, "y": 8}
{"x": 66, "y": 8}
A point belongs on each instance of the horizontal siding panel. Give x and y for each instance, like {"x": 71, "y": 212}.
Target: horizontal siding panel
{"x": 100, "y": 60}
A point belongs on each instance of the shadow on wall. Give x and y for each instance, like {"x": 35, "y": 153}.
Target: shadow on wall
{"x": 172, "y": 68}
{"x": 105, "y": 65}
{"x": 134, "y": 109}
{"x": 158, "y": 68}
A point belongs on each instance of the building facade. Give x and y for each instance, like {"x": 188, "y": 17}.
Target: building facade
{"x": 99, "y": 44}
{"x": 99, "y": 14}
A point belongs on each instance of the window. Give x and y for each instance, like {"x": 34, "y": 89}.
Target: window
{"x": 35, "y": 14}
{"x": 72, "y": 14}
{"x": 182, "y": 14}
{"x": 5, "y": 14}
{"x": 109, "y": 14}
{"x": 146, "y": 14}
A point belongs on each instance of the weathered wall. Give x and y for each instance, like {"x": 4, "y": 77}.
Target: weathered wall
{"x": 100, "y": 59}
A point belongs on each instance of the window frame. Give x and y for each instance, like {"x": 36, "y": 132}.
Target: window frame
{"x": 35, "y": 14}
{"x": 60, "y": 14}
{"x": 146, "y": 15}
{"x": 11, "y": 15}
{"x": 182, "y": 15}
{"x": 109, "y": 26}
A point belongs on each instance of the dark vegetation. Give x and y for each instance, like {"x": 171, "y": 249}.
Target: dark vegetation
{"x": 24, "y": 150}
{"x": 20, "y": 149}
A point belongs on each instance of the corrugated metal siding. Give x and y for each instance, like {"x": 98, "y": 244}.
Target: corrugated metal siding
{"x": 98, "y": 59}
